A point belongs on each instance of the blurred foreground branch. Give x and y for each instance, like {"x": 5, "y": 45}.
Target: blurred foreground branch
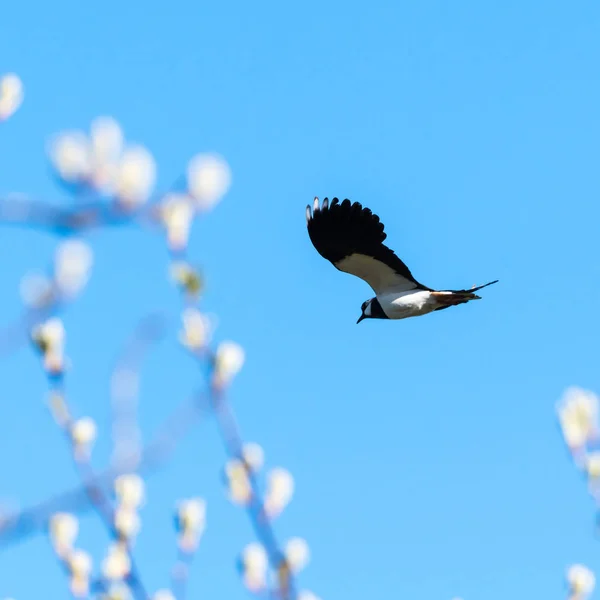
{"x": 110, "y": 184}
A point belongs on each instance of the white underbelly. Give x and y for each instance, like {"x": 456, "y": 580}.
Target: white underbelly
{"x": 407, "y": 304}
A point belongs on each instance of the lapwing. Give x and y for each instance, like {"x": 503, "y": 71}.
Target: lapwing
{"x": 351, "y": 238}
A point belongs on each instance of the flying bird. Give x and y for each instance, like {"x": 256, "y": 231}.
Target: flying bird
{"x": 351, "y": 238}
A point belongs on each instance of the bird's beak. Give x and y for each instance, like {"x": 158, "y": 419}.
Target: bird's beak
{"x": 360, "y": 318}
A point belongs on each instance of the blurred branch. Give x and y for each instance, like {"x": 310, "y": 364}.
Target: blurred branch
{"x": 88, "y": 166}
{"x": 96, "y": 494}
{"x": 180, "y": 574}
{"x": 33, "y": 214}
{"x": 22, "y": 524}
{"x": 261, "y": 523}
{"x": 125, "y": 386}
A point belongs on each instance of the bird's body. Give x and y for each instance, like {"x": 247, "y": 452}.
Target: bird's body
{"x": 420, "y": 302}
{"x": 407, "y": 304}
{"x": 351, "y": 238}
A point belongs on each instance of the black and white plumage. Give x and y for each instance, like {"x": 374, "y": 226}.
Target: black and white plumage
{"x": 351, "y": 238}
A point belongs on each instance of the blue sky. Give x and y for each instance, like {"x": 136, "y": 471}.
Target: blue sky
{"x": 427, "y": 459}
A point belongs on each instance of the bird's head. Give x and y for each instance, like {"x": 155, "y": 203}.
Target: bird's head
{"x": 371, "y": 309}
{"x": 365, "y": 309}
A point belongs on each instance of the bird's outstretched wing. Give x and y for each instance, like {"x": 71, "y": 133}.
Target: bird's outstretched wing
{"x": 351, "y": 238}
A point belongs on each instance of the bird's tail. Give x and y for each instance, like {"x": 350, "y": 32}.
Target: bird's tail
{"x": 448, "y": 298}
{"x": 480, "y": 287}
{"x": 470, "y": 294}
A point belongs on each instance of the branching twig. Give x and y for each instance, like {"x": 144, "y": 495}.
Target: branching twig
{"x": 173, "y": 213}
{"x": 24, "y": 523}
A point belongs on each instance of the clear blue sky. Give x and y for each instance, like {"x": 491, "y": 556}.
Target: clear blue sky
{"x": 427, "y": 459}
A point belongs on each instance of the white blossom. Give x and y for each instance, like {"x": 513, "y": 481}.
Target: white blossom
{"x": 49, "y": 339}
{"x": 11, "y": 95}
{"x": 117, "y": 563}
{"x": 254, "y": 456}
{"x": 136, "y": 176}
{"x": 238, "y": 483}
{"x": 280, "y": 489}
{"x": 581, "y": 581}
{"x": 70, "y": 154}
{"x": 106, "y": 139}
{"x": 63, "y": 529}
{"x": 129, "y": 490}
{"x": 127, "y": 522}
{"x": 578, "y": 416}
{"x": 297, "y": 554}
{"x": 191, "y": 515}
{"x": 177, "y": 214}
{"x": 209, "y": 178}
{"x": 106, "y": 149}
{"x": 79, "y": 585}
{"x": 196, "y": 329}
{"x": 83, "y": 431}
{"x": 592, "y": 464}
{"x": 54, "y": 362}
{"x": 229, "y": 360}
{"x": 72, "y": 266}
{"x": 50, "y": 334}
{"x": 191, "y": 521}
{"x": 79, "y": 563}
{"x": 254, "y": 565}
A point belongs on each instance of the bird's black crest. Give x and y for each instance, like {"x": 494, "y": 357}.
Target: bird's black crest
{"x": 340, "y": 229}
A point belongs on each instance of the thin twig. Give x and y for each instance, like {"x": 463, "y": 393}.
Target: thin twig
{"x": 98, "y": 498}
{"x": 124, "y": 387}
{"x": 180, "y": 574}
{"x": 261, "y": 523}
{"x": 22, "y": 524}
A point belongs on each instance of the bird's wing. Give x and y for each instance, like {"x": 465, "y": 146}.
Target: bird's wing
{"x": 351, "y": 238}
